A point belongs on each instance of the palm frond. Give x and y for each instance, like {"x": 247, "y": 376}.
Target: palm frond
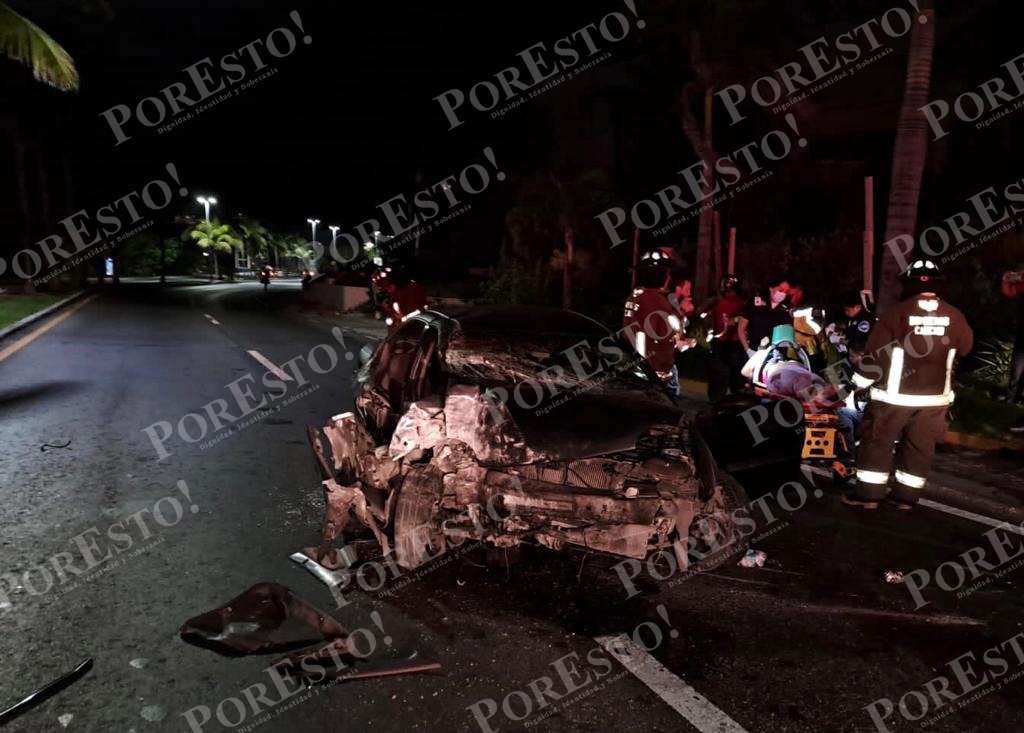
{"x": 25, "y": 42}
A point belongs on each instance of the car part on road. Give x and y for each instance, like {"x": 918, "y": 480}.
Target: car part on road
{"x": 344, "y": 558}
{"x": 37, "y": 696}
{"x": 44, "y": 446}
{"x": 264, "y": 619}
{"x": 319, "y": 665}
{"x": 893, "y": 577}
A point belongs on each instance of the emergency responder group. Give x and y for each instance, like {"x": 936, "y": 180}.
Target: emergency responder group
{"x": 901, "y": 366}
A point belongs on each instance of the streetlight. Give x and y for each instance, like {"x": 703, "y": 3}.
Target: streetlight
{"x": 313, "y": 223}
{"x": 207, "y": 254}
{"x": 334, "y": 233}
{"x": 207, "y": 201}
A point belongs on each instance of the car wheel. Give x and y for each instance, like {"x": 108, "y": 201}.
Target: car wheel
{"x": 715, "y": 535}
{"x": 417, "y": 525}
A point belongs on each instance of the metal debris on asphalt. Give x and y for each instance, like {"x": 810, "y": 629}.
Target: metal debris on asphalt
{"x": 44, "y": 446}
{"x": 266, "y": 618}
{"x": 37, "y": 696}
{"x": 893, "y": 577}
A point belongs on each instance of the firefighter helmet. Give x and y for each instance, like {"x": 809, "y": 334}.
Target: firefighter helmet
{"x": 655, "y": 258}
{"x": 923, "y": 271}
{"x": 729, "y": 282}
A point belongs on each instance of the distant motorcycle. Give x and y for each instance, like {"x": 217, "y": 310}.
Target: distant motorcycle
{"x": 265, "y": 275}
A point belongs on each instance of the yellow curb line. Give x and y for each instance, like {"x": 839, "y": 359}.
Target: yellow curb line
{"x": 29, "y": 338}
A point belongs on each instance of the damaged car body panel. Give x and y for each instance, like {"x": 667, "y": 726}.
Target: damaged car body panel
{"x": 446, "y": 444}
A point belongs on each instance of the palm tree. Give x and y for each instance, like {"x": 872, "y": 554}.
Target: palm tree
{"x": 258, "y": 240}
{"x": 214, "y": 236}
{"x": 25, "y": 42}
{"x": 909, "y": 154}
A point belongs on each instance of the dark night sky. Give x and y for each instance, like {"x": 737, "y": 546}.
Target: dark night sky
{"x": 348, "y": 119}
{"x": 342, "y": 125}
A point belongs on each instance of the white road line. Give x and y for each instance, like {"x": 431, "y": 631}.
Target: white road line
{"x": 213, "y": 320}
{"x": 937, "y": 506}
{"x": 271, "y": 367}
{"x": 979, "y": 518}
{"x": 682, "y": 698}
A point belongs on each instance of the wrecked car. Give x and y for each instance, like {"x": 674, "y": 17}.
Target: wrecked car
{"x": 510, "y": 425}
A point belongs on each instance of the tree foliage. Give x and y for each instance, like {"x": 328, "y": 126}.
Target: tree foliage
{"x": 25, "y": 42}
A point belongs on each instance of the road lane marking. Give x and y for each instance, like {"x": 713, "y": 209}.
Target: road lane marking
{"x": 213, "y": 320}
{"x": 29, "y": 338}
{"x": 938, "y": 506}
{"x": 678, "y": 695}
{"x": 271, "y": 367}
{"x": 963, "y": 513}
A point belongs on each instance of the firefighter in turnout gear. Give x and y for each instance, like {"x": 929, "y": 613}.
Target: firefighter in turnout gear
{"x": 651, "y": 323}
{"x": 908, "y": 365}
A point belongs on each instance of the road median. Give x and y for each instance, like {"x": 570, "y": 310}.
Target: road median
{"x": 46, "y": 307}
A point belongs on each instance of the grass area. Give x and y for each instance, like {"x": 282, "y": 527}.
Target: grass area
{"x": 976, "y": 413}
{"x": 15, "y": 307}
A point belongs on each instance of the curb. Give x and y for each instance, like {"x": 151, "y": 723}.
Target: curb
{"x": 39, "y": 315}
{"x": 978, "y": 442}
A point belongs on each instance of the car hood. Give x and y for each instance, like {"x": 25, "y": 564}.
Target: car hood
{"x": 589, "y": 425}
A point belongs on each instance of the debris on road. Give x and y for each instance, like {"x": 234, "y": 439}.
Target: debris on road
{"x": 37, "y": 696}
{"x": 329, "y": 572}
{"x": 753, "y": 559}
{"x": 893, "y": 577}
{"x": 44, "y": 446}
{"x": 139, "y": 663}
{"x": 65, "y": 719}
{"x": 320, "y": 665}
{"x": 153, "y": 713}
{"x": 266, "y": 618}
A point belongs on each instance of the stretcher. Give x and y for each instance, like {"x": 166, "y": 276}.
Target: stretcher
{"x": 824, "y": 441}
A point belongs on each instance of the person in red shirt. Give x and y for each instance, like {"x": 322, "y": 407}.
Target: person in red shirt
{"x": 727, "y": 353}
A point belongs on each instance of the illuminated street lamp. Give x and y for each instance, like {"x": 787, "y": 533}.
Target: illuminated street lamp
{"x": 313, "y": 223}
{"x": 207, "y": 202}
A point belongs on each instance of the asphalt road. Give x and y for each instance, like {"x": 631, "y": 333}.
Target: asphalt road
{"x": 806, "y": 643}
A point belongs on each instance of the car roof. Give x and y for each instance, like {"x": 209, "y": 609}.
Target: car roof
{"x": 514, "y": 320}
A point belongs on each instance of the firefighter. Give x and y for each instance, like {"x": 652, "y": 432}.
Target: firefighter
{"x": 807, "y": 330}
{"x": 405, "y": 297}
{"x": 651, "y": 323}
{"x": 726, "y": 352}
{"x": 908, "y": 364}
